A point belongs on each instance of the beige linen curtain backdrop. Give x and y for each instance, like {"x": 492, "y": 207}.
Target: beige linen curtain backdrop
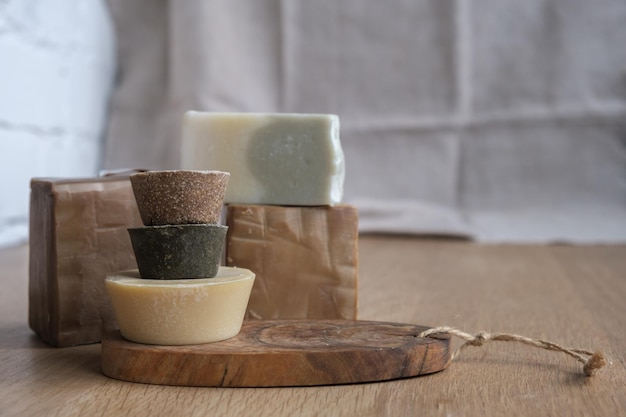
{"x": 497, "y": 120}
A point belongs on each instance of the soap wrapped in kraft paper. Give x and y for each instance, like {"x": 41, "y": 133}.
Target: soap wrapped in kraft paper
{"x": 305, "y": 259}
{"x": 77, "y": 236}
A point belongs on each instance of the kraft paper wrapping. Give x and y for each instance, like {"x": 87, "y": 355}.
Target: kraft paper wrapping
{"x": 78, "y": 235}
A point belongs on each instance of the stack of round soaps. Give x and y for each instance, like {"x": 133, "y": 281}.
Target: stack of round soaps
{"x": 179, "y": 295}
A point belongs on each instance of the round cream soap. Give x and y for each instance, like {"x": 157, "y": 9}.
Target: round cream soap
{"x": 180, "y": 312}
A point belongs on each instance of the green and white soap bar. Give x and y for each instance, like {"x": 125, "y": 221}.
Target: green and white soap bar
{"x": 273, "y": 158}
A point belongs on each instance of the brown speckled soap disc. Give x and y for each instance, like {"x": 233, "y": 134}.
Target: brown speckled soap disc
{"x": 179, "y": 251}
{"x": 179, "y": 197}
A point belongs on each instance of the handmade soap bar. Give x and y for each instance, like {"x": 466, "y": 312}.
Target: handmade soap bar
{"x": 288, "y": 159}
{"x": 182, "y": 311}
{"x": 178, "y": 251}
{"x": 77, "y": 237}
{"x": 179, "y": 197}
{"x": 305, "y": 259}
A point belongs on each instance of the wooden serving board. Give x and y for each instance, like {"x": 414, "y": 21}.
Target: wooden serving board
{"x": 278, "y": 353}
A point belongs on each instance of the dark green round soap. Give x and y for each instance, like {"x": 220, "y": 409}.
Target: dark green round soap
{"x": 178, "y": 251}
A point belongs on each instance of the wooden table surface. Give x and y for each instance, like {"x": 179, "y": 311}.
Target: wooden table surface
{"x": 574, "y": 295}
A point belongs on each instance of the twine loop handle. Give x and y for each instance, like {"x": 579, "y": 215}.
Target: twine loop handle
{"x": 592, "y": 361}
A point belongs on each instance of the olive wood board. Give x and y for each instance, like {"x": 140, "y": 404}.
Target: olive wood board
{"x": 280, "y": 353}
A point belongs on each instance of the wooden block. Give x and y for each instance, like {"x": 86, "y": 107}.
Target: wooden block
{"x": 77, "y": 236}
{"x": 305, "y": 259}
{"x": 277, "y": 353}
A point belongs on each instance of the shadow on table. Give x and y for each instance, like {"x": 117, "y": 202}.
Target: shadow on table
{"x": 542, "y": 370}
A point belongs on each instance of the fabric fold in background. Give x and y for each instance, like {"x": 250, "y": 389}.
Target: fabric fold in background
{"x": 497, "y": 121}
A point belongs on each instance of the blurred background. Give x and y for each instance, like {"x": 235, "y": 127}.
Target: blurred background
{"x": 494, "y": 120}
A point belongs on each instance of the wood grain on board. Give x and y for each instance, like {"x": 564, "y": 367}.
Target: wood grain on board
{"x": 273, "y": 353}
